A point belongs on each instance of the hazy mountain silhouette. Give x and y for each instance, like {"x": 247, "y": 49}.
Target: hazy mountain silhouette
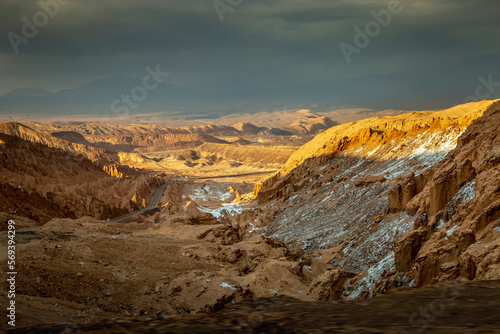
{"x": 28, "y": 92}
{"x": 435, "y": 87}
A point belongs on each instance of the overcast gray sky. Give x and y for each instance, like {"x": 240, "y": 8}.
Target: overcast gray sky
{"x": 260, "y": 43}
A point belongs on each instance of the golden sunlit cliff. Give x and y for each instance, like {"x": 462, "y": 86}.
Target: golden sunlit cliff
{"x": 358, "y": 187}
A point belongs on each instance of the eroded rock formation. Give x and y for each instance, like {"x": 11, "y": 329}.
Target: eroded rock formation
{"x": 410, "y": 199}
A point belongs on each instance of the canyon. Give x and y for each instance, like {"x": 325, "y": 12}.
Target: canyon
{"x": 301, "y": 211}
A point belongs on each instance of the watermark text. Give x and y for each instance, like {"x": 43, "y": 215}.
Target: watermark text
{"x": 11, "y": 273}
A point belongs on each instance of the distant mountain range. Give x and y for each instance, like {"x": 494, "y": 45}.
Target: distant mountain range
{"x": 431, "y": 88}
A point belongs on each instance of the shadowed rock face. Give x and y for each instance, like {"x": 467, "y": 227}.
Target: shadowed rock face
{"x": 456, "y": 230}
{"x": 71, "y": 136}
{"x": 41, "y": 183}
{"x": 362, "y": 186}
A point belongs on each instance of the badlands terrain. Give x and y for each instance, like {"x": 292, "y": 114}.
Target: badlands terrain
{"x": 306, "y": 221}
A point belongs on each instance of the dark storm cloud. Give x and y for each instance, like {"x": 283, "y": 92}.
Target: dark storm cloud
{"x": 260, "y": 43}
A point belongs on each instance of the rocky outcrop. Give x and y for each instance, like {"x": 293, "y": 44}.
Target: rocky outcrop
{"x": 456, "y": 230}
{"x": 112, "y": 171}
{"x": 405, "y": 188}
{"x": 330, "y": 285}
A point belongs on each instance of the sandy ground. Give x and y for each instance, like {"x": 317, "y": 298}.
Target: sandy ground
{"x": 86, "y": 270}
{"x": 82, "y": 270}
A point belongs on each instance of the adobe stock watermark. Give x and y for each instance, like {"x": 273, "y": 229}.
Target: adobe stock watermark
{"x": 363, "y": 38}
{"x": 139, "y": 93}
{"x": 223, "y": 6}
{"x": 421, "y": 319}
{"x": 484, "y": 89}
{"x": 11, "y": 273}
{"x": 30, "y": 28}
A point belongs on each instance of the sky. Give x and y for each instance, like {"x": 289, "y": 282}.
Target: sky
{"x": 234, "y": 44}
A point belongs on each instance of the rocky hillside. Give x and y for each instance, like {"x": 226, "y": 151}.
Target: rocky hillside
{"x": 41, "y": 182}
{"x": 116, "y": 164}
{"x": 265, "y": 155}
{"x": 358, "y": 187}
{"x": 152, "y": 143}
{"x": 456, "y": 210}
{"x": 145, "y": 138}
{"x": 309, "y": 123}
{"x": 71, "y": 136}
{"x": 246, "y": 127}
{"x": 59, "y": 140}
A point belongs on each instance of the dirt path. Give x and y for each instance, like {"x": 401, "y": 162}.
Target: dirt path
{"x": 153, "y": 204}
{"x": 231, "y": 176}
